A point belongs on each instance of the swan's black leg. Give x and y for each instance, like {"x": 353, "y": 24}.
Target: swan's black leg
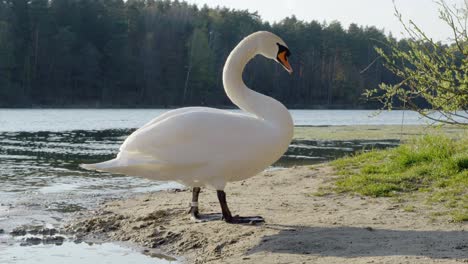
{"x": 194, "y": 214}
{"x": 227, "y": 216}
{"x": 224, "y": 208}
{"x": 194, "y": 204}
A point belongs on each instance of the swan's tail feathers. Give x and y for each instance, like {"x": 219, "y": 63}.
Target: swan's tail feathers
{"x": 141, "y": 166}
{"x": 123, "y": 164}
{"x": 102, "y": 166}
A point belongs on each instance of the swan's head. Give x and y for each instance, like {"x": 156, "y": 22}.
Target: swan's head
{"x": 273, "y": 47}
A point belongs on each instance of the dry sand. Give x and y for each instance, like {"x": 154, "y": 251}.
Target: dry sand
{"x": 299, "y": 228}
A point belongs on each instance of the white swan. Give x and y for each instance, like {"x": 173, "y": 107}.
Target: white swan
{"x": 200, "y": 146}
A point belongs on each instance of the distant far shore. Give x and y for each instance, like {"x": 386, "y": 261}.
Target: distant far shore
{"x": 99, "y": 106}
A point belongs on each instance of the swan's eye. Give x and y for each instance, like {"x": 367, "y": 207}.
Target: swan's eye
{"x": 282, "y": 57}
{"x": 282, "y": 48}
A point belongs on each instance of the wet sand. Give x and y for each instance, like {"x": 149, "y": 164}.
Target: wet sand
{"x": 300, "y": 227}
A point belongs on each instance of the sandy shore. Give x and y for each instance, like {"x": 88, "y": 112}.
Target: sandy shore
{"x": 300, "y": 226}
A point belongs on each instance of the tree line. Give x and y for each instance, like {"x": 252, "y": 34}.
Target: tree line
{"x": 151, "y": 53}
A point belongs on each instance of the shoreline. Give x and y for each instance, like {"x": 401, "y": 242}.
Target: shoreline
{"x": 300, "y": 227}
{"x": 373, "y": 132}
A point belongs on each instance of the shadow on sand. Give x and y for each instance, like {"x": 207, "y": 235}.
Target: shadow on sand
{"x": 357, "y": 242}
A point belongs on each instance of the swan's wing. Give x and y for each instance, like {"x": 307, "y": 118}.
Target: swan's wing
{"x": 177, "y": 112}
{"x": 194, "y": 137}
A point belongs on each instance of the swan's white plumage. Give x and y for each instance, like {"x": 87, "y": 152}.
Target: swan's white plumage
{"x": 200, "y": 146}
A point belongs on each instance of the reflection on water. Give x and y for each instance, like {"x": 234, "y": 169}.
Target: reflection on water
{"x": 78, "y": 253}
{"x": 307, "y": 152}
{"x": 40, "y": 178}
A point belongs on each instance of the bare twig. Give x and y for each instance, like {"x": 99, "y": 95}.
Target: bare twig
{"x": 368, "y": 66}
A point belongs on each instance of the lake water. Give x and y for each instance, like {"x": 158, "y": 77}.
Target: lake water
{"x": 41, "y": 183}
{"x": 14, "y": 120}
{"x": 76, "y": 253}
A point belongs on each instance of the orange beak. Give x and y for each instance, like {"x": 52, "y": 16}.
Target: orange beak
{"x": 283, "y": 59}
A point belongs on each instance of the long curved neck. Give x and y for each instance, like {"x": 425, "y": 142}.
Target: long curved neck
{"x": 262, "y": 106}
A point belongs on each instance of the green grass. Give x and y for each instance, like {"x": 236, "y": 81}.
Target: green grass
{"x": 432, "y": 164}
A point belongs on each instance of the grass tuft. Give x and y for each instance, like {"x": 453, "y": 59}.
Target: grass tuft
{"x": 433, "y": 164}
{"x": 409, "y": 208}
